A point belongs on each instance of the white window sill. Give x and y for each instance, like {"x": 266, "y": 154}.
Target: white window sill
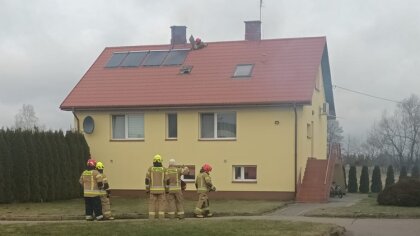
{"x": 244, "y": 181}
{"x": 217, "y": 139}
{"x": 127, "y": 139}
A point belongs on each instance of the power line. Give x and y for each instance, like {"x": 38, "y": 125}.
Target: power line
{"x": 365, "y": 94}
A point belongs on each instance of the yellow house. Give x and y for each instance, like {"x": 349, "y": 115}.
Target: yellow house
{"x": 255, "y": 110}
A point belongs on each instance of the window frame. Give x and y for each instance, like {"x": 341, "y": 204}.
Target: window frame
{"x": 243, "y": 179}
{"x": 189, "y": 180}
{"x": 167, "y": 126}
{"x": 215, "y": 126}
{"x": 126, "y": 138}
{"x": 249, "y": 75}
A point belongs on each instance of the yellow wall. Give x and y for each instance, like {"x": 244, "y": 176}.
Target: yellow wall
{"x": 316, "y": 145}
{"x": 260, "y": 141}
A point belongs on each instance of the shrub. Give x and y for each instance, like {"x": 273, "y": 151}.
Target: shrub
{"x": 403, "y": 173}
{"x": 364, "y": 180}
{"x": 376, "y": 180}
{"x": 404, "y": 193}
{"x": 415, "y": 172}
{"x": 352, "y": 180}
{"x": 389, "y": 176}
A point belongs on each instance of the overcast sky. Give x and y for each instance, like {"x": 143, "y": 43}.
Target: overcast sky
{"x": 47, "y": 45}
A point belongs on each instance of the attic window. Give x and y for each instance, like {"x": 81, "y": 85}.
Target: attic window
{"x": 175, "y": 57}
{"x": 155, "y": 58}
{"x": 116, "y": 59}
{"x": 134, "y": 59}
{"x": 243, "y": 70}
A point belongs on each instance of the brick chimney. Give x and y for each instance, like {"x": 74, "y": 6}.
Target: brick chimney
{"x": 178, "y": 35}
{"x": 253, "y": 30}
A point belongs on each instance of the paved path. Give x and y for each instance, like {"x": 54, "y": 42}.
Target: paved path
{"x": 354, "y": 227}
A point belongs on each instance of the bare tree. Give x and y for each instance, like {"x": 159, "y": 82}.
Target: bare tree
{"x": 26, "y": 118}
{"x": 400, "y": 132}
{"x": 335, "y": 132}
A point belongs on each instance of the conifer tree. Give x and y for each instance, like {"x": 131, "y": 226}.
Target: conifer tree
{"x": 20, "y": 168}
{"x": 35, "y": 195}
{"x": 42, "y": 164}
{"x": 7, "y": 167}
{"x": 415, "y": 172}
{"x": 5, "y": 179}
{"x": 376, "y": 186}
{"x": 364, "y": 180}
{"x": 50, "y": 159}
{"x": 403, "y": 173}
{"x": 352, "y": 186}
{"x": 389, "y": 176}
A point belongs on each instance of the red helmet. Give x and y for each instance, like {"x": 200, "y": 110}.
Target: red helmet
{"x": 197, "y": 40}
{"x": 207, "y": 168}
{"x": 91, "y": 163}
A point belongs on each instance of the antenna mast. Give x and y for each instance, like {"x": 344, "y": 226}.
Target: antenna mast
{"x": 260, "y": 8}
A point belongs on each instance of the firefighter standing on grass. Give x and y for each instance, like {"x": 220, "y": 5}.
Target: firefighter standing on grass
{"x": 174, "y": 197}
{"x": 105, "y": 192}
{"x": 204, "y": 185}
{"x": 156, "y": 186}
{"x": 92, "y": 182}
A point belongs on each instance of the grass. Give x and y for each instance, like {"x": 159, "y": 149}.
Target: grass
{"x": 126, "y": 208}
{"x": 367, "y": 208}
{"x": 174, "y": 228}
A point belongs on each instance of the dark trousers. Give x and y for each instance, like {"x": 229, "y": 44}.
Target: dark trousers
{"x": 93, "y": 205}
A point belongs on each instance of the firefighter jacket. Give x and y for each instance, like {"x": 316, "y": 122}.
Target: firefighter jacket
{"x": 173, "y": 178}
{"x": 105, "y": 185}
{"x": 90, "y": 179}
{"x": 155, "y": 180}
{"x": 203, "y": 183}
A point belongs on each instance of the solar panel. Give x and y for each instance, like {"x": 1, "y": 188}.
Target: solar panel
{"x": 175, "y": 57}
{"x": 155, "y": 58}
{"x": 116, "y": 59}
{"x": 134, "y": 59}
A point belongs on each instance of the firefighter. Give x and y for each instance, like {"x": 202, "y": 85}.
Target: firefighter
{"x": 105, "y": 192}
{"x": 174, "y": 198}
{"x": 204, "y": 185}
{"x": 92, "y": 182}
{"x": 156, "y": 187}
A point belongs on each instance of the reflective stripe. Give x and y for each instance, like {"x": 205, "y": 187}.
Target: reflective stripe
{"x": 152, "y": 213}
{"x": 161, "y": 213}
{"x": 180, "y": 212}
{"x": 171, "y": 213}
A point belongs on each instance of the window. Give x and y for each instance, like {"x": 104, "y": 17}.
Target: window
{"x": 172, "y": 129}
{"x": 134, "y": 59}
{"x": 155, "y": 58}
{"x": 175, "y": 57}
{"x": 221, "y": 125}
{"x": 243, "y": 70}
{"x": 190, "y": 177}
{"x": 116, "y": 59}
{"x": 245, "y": 173}
{"x": 128, "y": 126}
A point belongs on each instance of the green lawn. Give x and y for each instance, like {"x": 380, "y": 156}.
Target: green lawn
{"x": 367, "y": 208}
{"x": 199, "y": 227}
{"x": 126, "y": 208}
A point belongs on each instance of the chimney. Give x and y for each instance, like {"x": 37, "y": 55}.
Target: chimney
{"x": 178, "y": 34}
{"x": 253, "y": 30}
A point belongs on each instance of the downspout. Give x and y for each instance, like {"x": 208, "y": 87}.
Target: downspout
{"x": 294, "y": 108}
{"x": 77, "y": 119}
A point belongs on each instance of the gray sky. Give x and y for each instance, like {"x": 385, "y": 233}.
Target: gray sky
{"x": 47, "y": 45}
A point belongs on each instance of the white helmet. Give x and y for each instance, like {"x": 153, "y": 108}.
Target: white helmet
{"x": 172, "y": 162}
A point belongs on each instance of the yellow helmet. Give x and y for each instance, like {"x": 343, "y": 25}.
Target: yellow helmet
{"x": 157, "y": 158}
{"x": 99, "y": 165}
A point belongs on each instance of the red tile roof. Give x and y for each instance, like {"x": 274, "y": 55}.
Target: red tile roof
{"x": 284, "y": 72}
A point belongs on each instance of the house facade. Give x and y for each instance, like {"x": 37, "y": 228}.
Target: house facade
{"x": 255, "y": 110}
